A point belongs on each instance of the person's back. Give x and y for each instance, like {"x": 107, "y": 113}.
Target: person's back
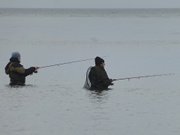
{"x": 98, "y": 77}
{"x": 17, "y": 73}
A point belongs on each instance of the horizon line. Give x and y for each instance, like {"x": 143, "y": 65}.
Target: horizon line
{"x": 86, "y": 8}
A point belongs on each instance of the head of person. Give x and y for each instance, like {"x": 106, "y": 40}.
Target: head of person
{"x": 99, "y": 61}
{"x": 16, "y": 56}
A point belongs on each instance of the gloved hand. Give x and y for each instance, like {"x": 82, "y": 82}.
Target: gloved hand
{"x": 35, "y": 70}
{"x": 111, "y": 81}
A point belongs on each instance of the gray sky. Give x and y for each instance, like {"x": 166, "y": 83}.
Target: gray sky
{"x": 91, "y": 3}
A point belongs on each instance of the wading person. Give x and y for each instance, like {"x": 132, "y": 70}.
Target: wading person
{"x": 96, "y": 76}
{"x": 17, "y": 73}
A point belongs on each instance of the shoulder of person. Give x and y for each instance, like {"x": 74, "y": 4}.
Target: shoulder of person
{"x": 16, "y": 65}
{"x": 93, "y": 68}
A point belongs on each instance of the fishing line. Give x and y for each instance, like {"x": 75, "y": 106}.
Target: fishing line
{"x": 144, "y": 76}
{"x": 65, "y": 63}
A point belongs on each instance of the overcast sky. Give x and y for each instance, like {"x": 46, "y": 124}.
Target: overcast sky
{"x": 90, "y": 3}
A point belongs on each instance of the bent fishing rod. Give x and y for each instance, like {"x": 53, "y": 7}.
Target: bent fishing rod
{"x": 65, "y": 63}
{"x": 144, "y": 76}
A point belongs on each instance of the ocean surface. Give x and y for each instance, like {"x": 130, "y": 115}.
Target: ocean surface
{"x": 133, "y": 42}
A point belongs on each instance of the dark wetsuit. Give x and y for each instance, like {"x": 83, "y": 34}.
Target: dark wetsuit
{"x": 17, "y": 73}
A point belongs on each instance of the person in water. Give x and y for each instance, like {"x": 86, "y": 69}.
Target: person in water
{"x": 17, "y": 73}
{"x": 96, "y": 76}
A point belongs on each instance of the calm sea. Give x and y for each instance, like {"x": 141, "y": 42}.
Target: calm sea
{"x": 133, "y": 42}
{"x": 151, "y": 12}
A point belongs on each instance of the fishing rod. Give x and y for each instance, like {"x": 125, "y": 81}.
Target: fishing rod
{"x": 65, "y": 63}
{"x": 144, "y": 76}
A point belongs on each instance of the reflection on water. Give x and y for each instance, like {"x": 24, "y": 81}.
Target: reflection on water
{"x": 99, "y": 113}
{"x": 21, "y": 86}
{"x": 98, "y": 95}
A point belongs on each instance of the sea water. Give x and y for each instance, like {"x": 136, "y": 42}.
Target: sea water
{"x": 133, "y": 42}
